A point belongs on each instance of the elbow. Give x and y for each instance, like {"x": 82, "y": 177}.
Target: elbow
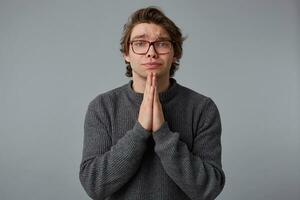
{"x": 215, "y": 186}
{"x": 206, "y": 191}
{"x": 89, "y": 183}
{"x": 220, "y": 180}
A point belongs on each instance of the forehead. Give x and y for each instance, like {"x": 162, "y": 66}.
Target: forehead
{"x": 149, "y": 31}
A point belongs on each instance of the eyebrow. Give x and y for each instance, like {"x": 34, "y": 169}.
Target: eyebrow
{"x": 163, "y": 38}
{"x": 143, "y": 36}
{"x": 139, "y": 37}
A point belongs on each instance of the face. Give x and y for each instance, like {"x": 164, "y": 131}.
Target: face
{"x": 152, "y": 61}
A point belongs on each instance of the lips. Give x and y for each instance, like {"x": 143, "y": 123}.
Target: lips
{"x": 152, "y": 64}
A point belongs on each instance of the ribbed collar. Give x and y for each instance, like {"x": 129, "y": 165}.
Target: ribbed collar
{"x": 163, "y": 96}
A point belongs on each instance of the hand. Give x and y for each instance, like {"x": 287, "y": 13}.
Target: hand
{"x": 146, "y": 110}
{"x": 158, "y": 115}
{"x": 151, "y": 115}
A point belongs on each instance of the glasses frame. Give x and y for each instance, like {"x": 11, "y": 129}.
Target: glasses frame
{"x": 151, "y": 44}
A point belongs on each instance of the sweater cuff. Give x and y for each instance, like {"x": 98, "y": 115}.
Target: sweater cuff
{"x": 140, "y": 132}
{"x": 162, "y": 134}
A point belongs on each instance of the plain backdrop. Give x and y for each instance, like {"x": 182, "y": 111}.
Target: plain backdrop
{"x": 56, "y": 56}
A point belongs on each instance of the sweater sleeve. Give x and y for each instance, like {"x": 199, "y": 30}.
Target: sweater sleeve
{"x": 197, "y": 172}
{"x": 105, "y": 168}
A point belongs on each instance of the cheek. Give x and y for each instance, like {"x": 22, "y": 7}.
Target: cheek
{"x": 134, "y": 61}
{"x": 130, "y": 58}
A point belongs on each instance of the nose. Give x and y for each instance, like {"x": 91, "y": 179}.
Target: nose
{"x": 151, "y": 52}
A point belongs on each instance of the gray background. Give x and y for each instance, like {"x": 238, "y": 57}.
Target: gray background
{"x": 55, "y": 56}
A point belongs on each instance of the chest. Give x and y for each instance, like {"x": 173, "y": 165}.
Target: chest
{"x": 125, "y": 117}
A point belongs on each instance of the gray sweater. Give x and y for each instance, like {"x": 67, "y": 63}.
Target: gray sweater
{"x": 122, "y": 160}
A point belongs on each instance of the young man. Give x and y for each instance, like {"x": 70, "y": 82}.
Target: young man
{"x": 152, "y": 138}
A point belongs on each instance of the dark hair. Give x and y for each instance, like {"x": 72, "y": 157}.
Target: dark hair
{"x": 156, "y": 16}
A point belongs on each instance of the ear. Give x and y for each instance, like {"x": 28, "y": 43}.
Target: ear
{"x": 126, "y": 57}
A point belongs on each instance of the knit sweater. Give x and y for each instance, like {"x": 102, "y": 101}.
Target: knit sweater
{"x": 180, "y": 161}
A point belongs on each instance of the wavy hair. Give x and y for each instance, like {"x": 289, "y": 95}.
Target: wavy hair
{"x": 156, "y": 16}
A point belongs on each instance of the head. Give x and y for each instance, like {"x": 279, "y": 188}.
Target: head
{"x": 155, "y": 17}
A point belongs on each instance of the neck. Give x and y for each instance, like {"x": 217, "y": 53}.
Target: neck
{"x": 139, "y": 83}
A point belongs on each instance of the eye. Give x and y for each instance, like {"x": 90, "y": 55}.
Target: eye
{"x": 140, "y": 43}
{"x": 163, "y": 44}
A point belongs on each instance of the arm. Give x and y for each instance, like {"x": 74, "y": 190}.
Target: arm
{"x": 197, "y": 173}
{"x": 106, "y": 168}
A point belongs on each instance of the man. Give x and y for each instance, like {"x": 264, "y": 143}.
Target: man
{"x": 152, "y": 138}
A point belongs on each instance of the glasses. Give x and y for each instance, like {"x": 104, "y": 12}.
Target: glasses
{"x": 142, "y": 47}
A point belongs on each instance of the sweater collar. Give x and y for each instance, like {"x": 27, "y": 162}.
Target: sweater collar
{"x": 163, "y": 96}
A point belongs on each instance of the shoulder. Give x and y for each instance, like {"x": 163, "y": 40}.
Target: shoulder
{"x": 202, "y": 106}
{"x": 107, "y": 98}
{"x": 197, "y": 100}
{"x": 192, "y": 96}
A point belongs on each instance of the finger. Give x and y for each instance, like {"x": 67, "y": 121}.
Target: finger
{"x": 152, "y": 88}
{"x": 155, "y": 96}
{"x": 154, "y": 80}
{"x": 148, "y": 84}
{"x": 151, "y": 94}
{"x": 151, "y": 77}
{"x": 149, "y": 97}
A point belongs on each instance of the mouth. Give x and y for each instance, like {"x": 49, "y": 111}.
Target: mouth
{"x": 152, "y": 65}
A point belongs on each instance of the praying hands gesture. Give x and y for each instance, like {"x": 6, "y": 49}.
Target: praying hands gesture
{"x": 151, "y": 115}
